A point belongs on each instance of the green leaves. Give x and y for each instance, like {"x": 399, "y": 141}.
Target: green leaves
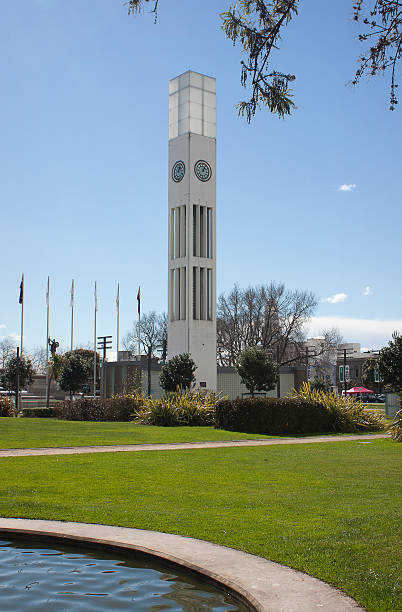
{"x": 256, "y": 370}
{"x": 257, "y": 25}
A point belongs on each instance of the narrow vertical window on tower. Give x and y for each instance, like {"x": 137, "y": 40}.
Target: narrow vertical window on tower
{"x": 172, "y": 295}
{"x": 183, "y": 305}
{"x": 172, "y": 237}
{"x": 209, "y": 233}
{"x": 202, "y": 293}
{"x": 194, "y": 230}
{"x": 183, "y": 219}
{"x": 209, "y": 294}
{"x": 202, "y": 231}
{"x": 177, "y": 232}
{"x": 194, "y": 292}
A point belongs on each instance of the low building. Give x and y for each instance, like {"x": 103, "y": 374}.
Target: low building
{"x": 350, "y": 370}
{"x": 125, "y": 376}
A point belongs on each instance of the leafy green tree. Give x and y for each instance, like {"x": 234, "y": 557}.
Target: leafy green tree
{"x": 178, "y": 372}
{"x": 55, "y": 368}
{"x": 257, "y": 371}
{"x": 258, "y": 25}
{"x": 321, "y": 384}
{"x": 390, "y": 363}
{"x": 75, "y": 373}
{"x": 9, "y": 376}
{"x": 369, "y": 368}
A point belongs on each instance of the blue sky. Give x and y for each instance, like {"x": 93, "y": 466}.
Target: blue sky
{"x": 83, "y": 190}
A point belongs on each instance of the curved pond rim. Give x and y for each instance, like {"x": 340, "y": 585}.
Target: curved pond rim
{"x": 136, "y": 552}
{"x": 258, "y": 584}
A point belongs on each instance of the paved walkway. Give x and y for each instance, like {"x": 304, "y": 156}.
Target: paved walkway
{"x": 124, "y": 448}
{"x": 268, "y": 586}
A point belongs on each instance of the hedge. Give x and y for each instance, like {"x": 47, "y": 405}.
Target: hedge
{"x": 90, "y": 409}
{"x": 35, "y": 413}
{"x": 270, "y": 416}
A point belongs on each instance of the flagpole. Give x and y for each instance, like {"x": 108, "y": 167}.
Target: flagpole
{"x": 22, "y": 314}
{"x": 118, "y": 318}
{"x": 47, "y": 342}
{"x": 96, "y": 308}
{"x": 72, "y": 314}
{"x": 139, "y": 321}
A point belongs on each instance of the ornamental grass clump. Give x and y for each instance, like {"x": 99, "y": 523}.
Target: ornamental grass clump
{"x": 182, "y": 407}
{"x": 6, "y": 407}
{"x": 346, "y": 413}
{"x": 396, "y": 427}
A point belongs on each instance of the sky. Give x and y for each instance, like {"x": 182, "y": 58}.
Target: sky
{"x": 312, "y": 201}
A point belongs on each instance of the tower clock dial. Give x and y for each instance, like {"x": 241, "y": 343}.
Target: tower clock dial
{"x": 178, "y": 171}
{"x": 203, "y": 170}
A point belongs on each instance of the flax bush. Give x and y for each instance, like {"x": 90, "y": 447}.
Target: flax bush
{"x": 6, "y": 406}
{"x": 346, "y": 413}
{"x": 182, "y": 407}
{"x": 396, "y": 427}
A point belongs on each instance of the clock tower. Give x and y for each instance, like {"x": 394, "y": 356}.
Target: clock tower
{"x": 192, "y": 223}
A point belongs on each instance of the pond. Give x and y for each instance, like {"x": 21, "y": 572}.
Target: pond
{"x": 38, "y": 576}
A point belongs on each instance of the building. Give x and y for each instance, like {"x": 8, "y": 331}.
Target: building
{"x": 350, "y": 370}
{"x": 125, "y": 376}
{"x": 192, "y": 223}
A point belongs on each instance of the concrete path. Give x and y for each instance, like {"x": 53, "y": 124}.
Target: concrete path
{"x": 124, "y": 448}
{"x": 268, "y": 586}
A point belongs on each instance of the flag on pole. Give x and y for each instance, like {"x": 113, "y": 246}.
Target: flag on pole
{"x": 96, "y": 298}
{"x": 139, "y": 299}
{"x": 21, "y": 300}
{"x": 47, "y": 292}
{"x": 72, "y": 294}
{"x": 118, "y": 297}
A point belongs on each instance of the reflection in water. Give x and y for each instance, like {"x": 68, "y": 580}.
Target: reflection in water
{"x": 60, "y": 578}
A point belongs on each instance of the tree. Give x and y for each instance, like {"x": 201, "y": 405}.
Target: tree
{"x": 75, "y": 372}
{"x": 270, "y": 317}
{"x": 7, "y": 348}
{"x": 390, "y": 363}
{"x": 153, "y": 335}
{"x": 258, "y": 25}
{"x": 26, "y": 373}
{"x": 369, "y": 369}
{"x": 178, "y": 372}
{"x": 38, "y": 358}
{"x": 256, "y": 370}
{"x": 55, "y": 368}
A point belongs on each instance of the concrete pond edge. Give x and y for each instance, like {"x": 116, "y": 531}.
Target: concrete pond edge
{"x": 263, "y": 585}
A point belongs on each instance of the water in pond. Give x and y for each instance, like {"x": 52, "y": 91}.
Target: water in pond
{"x": 53, "y": 577}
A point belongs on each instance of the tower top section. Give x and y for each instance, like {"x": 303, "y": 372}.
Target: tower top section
{"x": 192, "y": 105}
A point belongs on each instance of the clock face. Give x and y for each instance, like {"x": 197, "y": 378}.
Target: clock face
{"x": 203, "y": 170}
{"x": 178, "y": 171}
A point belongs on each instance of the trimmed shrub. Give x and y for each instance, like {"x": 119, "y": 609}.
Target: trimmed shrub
{"x": 271, "y": 416}
{"x": 6, "y": 406}
{"x": 38, "y": 413}
{"x": 346, "y": 414}
{"x": 183, "y": 407}
{"x": 119, "y": 408}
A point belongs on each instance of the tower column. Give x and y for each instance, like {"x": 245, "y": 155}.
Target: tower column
{"x": 192, "y": 219}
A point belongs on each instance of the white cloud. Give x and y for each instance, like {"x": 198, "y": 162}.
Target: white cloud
{"x": 2, "y": 325}
{"x": 336, "y": 298}
{"x": 349, "y": 187}
{"x": 15, "y": 336}
{"x": 367, "y": 290}
{"x": 374, "y": 333}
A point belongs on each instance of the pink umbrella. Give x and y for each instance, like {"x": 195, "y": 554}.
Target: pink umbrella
{"x": 359, "y": 390}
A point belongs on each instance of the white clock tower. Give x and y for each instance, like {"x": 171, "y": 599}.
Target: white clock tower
{"x": 192, "y": 223}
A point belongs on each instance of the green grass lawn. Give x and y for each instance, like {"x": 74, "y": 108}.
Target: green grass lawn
{"x": 39, "y": 433}
{"x": 35, "y": 433}
{"x": 331, "y": 510}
